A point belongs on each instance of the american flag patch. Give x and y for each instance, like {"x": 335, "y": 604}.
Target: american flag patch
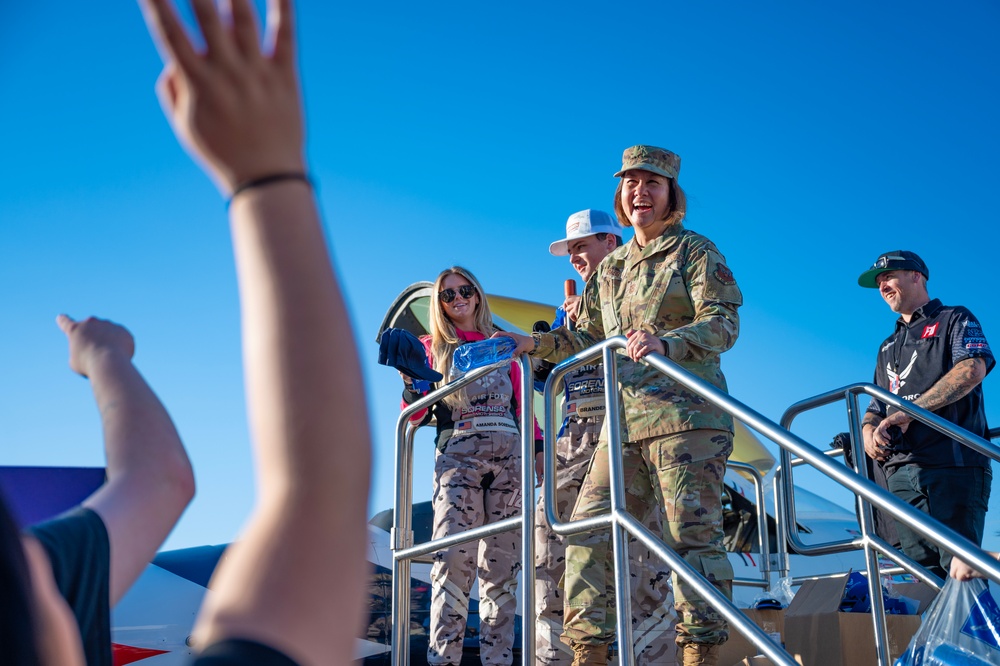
{"x": 571, "y": 408}
{"x": 463, "y": 425}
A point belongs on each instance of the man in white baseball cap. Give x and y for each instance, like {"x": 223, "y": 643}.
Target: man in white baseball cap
{"x": 590, "y": 236}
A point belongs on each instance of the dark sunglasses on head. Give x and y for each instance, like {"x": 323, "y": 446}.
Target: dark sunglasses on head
{"x": 884, "y": 261}
{"x": 466, "y": 291}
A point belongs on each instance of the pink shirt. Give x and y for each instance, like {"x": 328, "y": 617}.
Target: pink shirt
{"x": 514, "y": 374}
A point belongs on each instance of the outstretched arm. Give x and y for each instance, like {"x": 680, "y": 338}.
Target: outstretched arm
{"x": 149, "y": 475}
{"x": 296, "y": 578}
{"x": 562, "y": 342}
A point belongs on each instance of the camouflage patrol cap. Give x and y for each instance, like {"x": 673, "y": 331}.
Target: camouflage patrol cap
{"x": 650, "y": 158}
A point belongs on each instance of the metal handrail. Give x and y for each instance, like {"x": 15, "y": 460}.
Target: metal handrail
{"x": 401, "y": 535}
{"x": 787, "y": 441}
{"x": 621, "y": 521}
{"x": 869, "y": 541}
{"x": 842, "y": 546}
{"x": 848, "y": 392}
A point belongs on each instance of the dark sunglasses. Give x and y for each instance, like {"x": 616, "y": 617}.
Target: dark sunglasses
{"x": 883, "y": 262}
{"x": 466, "y": 291}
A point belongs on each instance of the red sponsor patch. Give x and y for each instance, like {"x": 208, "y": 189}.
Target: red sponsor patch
{"x": 724, "y": 275}
{"x": 930, "y": 331}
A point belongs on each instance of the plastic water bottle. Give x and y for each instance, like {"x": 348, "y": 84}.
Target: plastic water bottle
{"x": 479, "y": 354}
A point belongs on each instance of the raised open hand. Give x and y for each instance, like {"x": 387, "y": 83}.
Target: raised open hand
{"x": 236, "y": 107}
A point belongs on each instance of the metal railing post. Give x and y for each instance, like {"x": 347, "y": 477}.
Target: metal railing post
{"x": 783, "y": 525}
{"x": 401, "y": 538}
{"x": 527, "y": 512}
{"x": 866, "y": 518}
{"x": 763, "y": 541}
{"x": 620, "y": 537}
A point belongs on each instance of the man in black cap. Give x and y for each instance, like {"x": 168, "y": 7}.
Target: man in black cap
{"x": 936, "y": 357}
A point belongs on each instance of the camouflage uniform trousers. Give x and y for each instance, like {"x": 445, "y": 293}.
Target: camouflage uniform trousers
{"x": 652, "y": 608}
{"x": 476, "y": 482}
{"x": 683, "y": 473}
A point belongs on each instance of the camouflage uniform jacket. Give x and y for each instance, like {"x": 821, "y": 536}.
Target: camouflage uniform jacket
{"x": 679, "y": 288}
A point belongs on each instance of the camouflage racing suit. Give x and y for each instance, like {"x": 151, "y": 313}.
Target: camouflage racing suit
{"x": 476, "y": 481}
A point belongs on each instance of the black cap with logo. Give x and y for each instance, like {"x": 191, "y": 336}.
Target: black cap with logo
{"x": 897, "y": 260}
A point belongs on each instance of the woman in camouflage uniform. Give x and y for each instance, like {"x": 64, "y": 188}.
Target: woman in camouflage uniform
{"x": 477, "y": 479}
{"x": 668, "y": 291}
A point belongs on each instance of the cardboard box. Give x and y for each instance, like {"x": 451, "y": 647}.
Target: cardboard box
{"x": 739, "y": 647}
{"x": 816, "y": 633}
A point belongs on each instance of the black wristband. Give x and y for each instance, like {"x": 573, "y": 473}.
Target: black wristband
{"x": 267, "y": 180}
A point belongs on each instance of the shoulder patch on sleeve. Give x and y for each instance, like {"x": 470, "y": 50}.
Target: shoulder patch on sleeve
{"x": 723, "y": 274}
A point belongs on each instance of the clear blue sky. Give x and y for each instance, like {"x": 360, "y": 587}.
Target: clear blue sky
{"x": 813, "y": 138}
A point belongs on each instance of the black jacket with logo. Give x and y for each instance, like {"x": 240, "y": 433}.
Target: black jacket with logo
{"x": 912, "y": 360}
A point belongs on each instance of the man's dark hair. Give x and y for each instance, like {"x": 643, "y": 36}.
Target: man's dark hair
{"x": 17, "y": 631}
{"x": 604, "y": 234}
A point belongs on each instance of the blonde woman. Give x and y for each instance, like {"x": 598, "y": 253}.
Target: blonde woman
{"x": 476, "y": 478}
